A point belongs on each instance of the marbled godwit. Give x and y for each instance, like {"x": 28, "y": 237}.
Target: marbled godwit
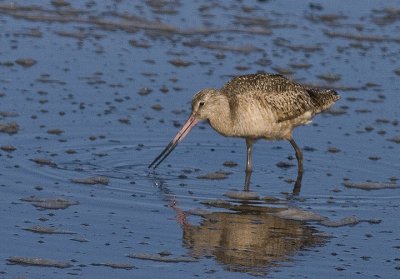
{"x": 256, "y": 106}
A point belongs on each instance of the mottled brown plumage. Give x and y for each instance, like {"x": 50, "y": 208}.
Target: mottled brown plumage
{"x": 261, "y": 106}
{"x": 289, "y": 99}
{"x": 256, "y": 106}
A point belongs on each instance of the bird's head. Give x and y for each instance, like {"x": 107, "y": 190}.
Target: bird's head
{"x": 203, "y": 108}
{"x": 204, "y": 102}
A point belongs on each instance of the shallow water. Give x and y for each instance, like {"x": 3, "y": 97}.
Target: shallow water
{"x": 112, "y": 83}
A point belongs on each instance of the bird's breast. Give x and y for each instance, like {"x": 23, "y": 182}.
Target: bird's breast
{"x": 246, "y": 119}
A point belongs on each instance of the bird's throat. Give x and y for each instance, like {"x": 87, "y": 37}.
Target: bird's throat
{"x": 221, "y": 118}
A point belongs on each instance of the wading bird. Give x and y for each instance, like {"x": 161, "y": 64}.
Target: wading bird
{"x": 256, "y": 106}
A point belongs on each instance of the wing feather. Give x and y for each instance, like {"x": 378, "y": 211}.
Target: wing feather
{"x": 286, "y": 98}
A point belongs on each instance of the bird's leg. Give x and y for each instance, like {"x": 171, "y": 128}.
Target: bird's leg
{"x": 247, "y": 181}
{"x": 299, "y": 156}
{"x": 249, "y": 144}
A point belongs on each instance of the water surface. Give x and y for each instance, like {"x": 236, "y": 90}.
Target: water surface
{"x": 97, "y": 89}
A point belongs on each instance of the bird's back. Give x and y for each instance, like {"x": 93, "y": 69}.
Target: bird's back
{"x": 269, "y": 83}
{"x": 286, "y": 98}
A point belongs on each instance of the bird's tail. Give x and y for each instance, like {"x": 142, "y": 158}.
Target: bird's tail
{"x": 323, "y": 98}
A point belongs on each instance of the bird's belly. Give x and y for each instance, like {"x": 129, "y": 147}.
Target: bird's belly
{"x": 258, "y": 123}
{"x": 255, "y": 123}
{"x": 271, "y": 131}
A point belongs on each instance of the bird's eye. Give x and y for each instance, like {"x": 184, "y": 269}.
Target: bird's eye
{"x": 201, "y": 104}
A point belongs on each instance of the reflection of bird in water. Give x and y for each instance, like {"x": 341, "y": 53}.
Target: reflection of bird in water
{"x": 254, "y": 239}
{"x": 257, "y": 106}
{"x": 248, "y": 242}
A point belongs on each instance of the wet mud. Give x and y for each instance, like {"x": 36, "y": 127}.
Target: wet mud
{"x": 92, "y": 91}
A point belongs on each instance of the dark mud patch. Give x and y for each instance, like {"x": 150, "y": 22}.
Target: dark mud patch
{"x": 216, "y": 203}
{"x": 8, "y": 113}
{"x": 333, "y": 150}
{"x": 230, "y": 164}
{"x": 347, "y": 221}
{"x": 218, "y": 175}
{"x": 284, "y": 165}
{"x": 330, "y": 77}
{"x": 8, "y": 148}
{"x": 60, "y": 3}
{"x": 304, "y": 48}
{"x": 138, "y": 44}
{"x": 180, "y": 63}
{"x": 245, "y": 49}
{"x": 55, "y": 132}
{"x": 270, "y": 199}
{"x": 9, "y": 128}
{"x": 79, "y": 239}
{"x": 162, "y": 258}
{"x": 157, "y": 107}
{"x": 38, "y": 262}
{"x": 335, "y": 111}
{"x": 49, "y": 203}
{"x": 290, "y": 214}
{"x": 47, "y": 230}
{"x": 124, "y": 120}
{"x": 102, "y": 180}
{"x": 298, "y": 214}
{"x": 80, "y": 35}
{"x": 44, "y": 162}
{"x": 242, "y": 195}
{"x": 26, "y": 62}
{"x": 395, "y": 139}
{"x": 125, "y": 266}
{"x": 362, "y": 37}
{"x": 130, "y": 23}
{"x": 371, "y": 185}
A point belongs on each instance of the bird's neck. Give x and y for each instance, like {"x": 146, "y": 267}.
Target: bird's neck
{"x": 220, "y": 119}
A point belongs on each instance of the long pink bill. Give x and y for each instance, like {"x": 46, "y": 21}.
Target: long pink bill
{"x": 190, "y": 123}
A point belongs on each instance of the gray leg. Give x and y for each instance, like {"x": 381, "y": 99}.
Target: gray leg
{"x": 249, "y": 169}
{"x": 299, "y": 157}
{"x": 249, "y": 143}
